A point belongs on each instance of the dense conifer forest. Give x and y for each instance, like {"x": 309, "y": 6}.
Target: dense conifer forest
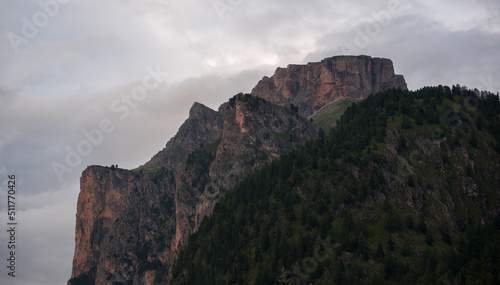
{"x": 405, "y": 190}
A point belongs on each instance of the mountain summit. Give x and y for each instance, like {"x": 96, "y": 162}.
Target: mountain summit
{"x": 312, "y": 86}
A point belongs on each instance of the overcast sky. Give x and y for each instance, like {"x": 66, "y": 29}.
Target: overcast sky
{"x": 115, "y": 79}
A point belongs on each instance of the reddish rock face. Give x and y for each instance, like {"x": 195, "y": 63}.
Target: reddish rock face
{"x": 311, "y": 86}
{"x": 119, "y": 214}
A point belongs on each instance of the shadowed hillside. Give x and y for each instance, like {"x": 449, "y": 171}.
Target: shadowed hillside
{"x": 405, "y": 190}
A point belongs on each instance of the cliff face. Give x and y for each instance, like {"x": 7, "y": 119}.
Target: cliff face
{"x": 97, "y": 209}
{"x": 119, "y": 217}
{"x": 311, "y": 86}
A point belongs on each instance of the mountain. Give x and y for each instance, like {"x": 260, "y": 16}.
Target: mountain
{"x": 131, "y": 224}
{"x": 405, "y": 190}
{"x": 312, "y": 86}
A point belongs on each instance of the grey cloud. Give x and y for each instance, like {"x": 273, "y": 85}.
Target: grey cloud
{"x": 7, "y": 96}
{"x": 423, "y": 51}
{"x": 46, "y": 129}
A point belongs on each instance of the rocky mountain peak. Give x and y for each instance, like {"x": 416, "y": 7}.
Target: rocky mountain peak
{"x": 312, "y": 86}
{"x": 198, "y": 108}
{"x": 203, "y": 124}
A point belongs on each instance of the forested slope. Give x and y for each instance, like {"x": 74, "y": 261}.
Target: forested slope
{"x": 405, "y": 190}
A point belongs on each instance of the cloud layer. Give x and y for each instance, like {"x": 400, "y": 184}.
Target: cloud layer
{"x": 64, "y": 65}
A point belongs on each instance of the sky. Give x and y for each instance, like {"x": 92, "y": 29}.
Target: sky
{"x": 110, "y": 82}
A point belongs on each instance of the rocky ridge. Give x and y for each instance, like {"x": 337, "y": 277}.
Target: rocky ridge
{"x": 312, "y": 86}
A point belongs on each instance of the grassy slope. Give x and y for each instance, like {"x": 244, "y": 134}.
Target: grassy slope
{"x": 327, "y": 117}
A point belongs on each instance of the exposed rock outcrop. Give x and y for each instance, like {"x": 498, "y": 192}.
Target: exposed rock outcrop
{"x": 120, "y": 216}
{"x": 311, "y": 86}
